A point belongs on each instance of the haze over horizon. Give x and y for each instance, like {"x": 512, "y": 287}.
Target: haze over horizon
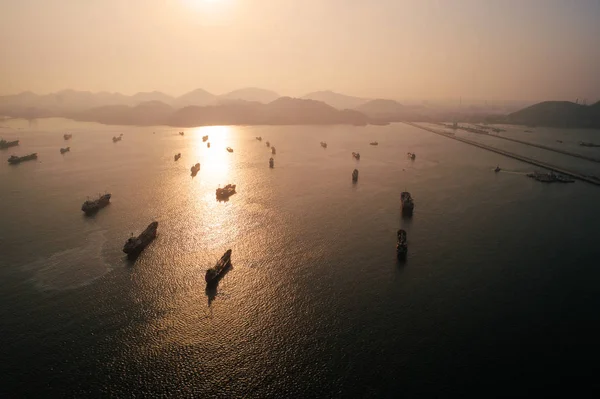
{"x": 401, "y": 49}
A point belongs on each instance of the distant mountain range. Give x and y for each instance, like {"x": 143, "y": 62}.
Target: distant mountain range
{"x": 254, "y": 106}
{"x": 557, "y": 114}
{"x": 282, "y": 111}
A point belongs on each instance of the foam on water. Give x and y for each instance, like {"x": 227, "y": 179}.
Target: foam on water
{"x": 71, "y": 268}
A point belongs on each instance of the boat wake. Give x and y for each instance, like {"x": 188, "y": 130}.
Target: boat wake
{"x": 72, "y": 268}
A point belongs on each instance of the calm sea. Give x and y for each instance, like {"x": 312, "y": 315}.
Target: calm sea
{"x": 499, "y": 293}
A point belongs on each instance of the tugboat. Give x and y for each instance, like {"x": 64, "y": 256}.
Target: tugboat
{"x": 401, "y": 246}
{"x": 271, "y": 163}
{"x": 323, "y": 144}
{"x": 225, "y": 192}
{"x": 258, "y": 138}
{"x": 90, "y": 207}
{"x": 356, "y": 155}
{"x": 229, "y": 149}
{"x": 115, "y": 139}
{"x": 497, "y": 169}
{"x": 67, "y": 136}
{"x": 7, "y": 144}
{"x": 374, "y": 143}
{"x": 195, "y": 169}
{"x": 135, "y": 245}
{"x": 13, "y": 160}
{"x": 355, "y": 175}
{"x": 212, "y": 274}
{"x": 177, "y": 156}
{"x": 268, "y": 144}
{"x": 407, "y": 203}
{"x": 273, "y": 150}
{"x": 204, "y": 138}
{"x": 63, "y": 150}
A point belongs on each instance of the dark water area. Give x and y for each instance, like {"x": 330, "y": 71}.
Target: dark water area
{"x": 499, "y": 292}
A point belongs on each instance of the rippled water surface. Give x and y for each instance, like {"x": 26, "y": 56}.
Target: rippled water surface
{"x": 499, "y": 288}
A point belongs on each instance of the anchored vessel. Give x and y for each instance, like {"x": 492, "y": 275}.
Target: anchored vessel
{"x": 94, "y": 206}
{"x": 204, "y": 138}
{"x": 356, "y": 155}
{"x": 323, "y": 144}
{"x": 7, "y": 144}
{"x": 212, "y": 274}
{"x": 177, "y": 156}
{"x": 268, "y": 144}
{"x": 181, "y": 133}
{"x": 407, "y": 202}
{"x": 401, "y": 246}
{"x": 273, "y": 150}
{"x": 135, "y": 245}
{"x": 355, "y": 175}
{"x": 13, "y": 160}
{"x": 225, "y": 192}
{"x": 63, "y": 150}
{"x": 115, "y": 139}
{"x": 258, "y": 138}
{"x": 67, "y": 136}
{"x": 374, "y": 143}
{"x": 195, "y": 169}
{"x": 271, "y": 162}
{"x": 208, "y": 145}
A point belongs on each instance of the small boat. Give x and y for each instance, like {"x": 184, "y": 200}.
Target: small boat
{"x": 90, "y": 207}
{"x": 63, "y": 150}
{"x": 67, "y": 136}
{"x": 177, "y": 156}
{"x": 271, "y": 163}
{"x": 401, "y": 245}
{"x": 7, "y": 144}
{"x": 355, "y": 175}
{"x": 323, "y": 144}
{"x": 407, "y": 202}
{"x": 229, "y": 149}
{"x": 13, "y": 160}
{"x": 258, "y": 138}
{"x": 208, "y": 145}
{"x": 374, "y": 143}
{"x": 204, "y": 138}
{"x": 225, "y": 192}
{"x": 268, "y": 144}
{"x": 181, "y": 133}
{"x": 195, "y": 169}
{"x": 273, "y": 150}
{"x": 356, "y": 155}
{"x": 115, "y": 139}
{"x": 497, "y": 169}
{"x": 212, "y": 274}
{"x": 135, "y": 245}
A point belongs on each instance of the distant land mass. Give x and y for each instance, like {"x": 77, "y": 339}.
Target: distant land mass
{"x": 557, "y": 114}
{"x": 256, "y": 106}
{"x": 336, "y": 100}
{"x": 283, "y": 111}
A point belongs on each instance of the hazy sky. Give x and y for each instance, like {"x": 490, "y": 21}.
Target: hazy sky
{"x": 503, "y": 49}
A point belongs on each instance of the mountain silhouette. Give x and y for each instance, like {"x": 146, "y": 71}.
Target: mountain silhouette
{"x": 336, "y": 100}
{"x": 251, "y": 94}
{"x": 557, "y": 114}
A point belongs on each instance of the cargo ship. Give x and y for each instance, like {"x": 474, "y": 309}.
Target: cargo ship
{"x": 7, "y": 144}
{"x": 135, "y": 245}
{"x": 13, "y": 160}
{"x": 195, "y": 169}
{"x": 63, "y": 150}
{"x": 407, "y": 201}
{"x": 355, "y": 175}
{"x": 90, "y": 207}
{"x": 225, "y": 192}
{"x": 67, "y": 136}
{"x": 212, "y": 275}
{"x": 401, "y": 245}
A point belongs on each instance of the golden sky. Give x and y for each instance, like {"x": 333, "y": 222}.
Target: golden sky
{"x": 504, "y": 49}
